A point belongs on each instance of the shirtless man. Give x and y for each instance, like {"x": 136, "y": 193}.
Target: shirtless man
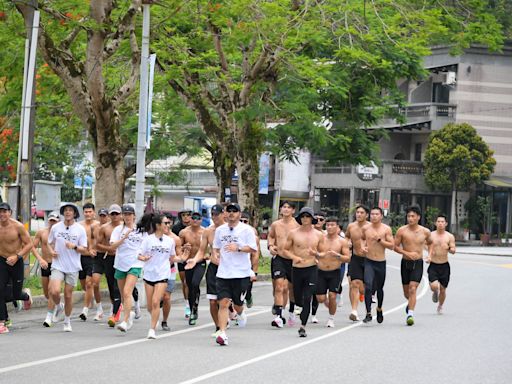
{"x": 255, "y": 258}
{"x": 41, "y": 240}
{"x": 87, "y": 259}
{"x": 302, "y": 247}
{"x": 410, "y": 241}
{"x": 15, "y": 244}
{"x": 335, "y": 254}
{"x": 439, "y": 269}
{"x": 103, "y": 218}
{"x": 378, "y": 237}
{"x": 191, "y": 240}
{"x": 104, "y": 262}
{"x": 281, "y": 266}
{"x": 217, "y": 212}
{"x": 319, "y": 226}
{"x": 184, "y": 220}
{"x": 356, "y": 266}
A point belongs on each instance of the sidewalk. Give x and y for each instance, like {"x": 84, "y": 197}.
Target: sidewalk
{"x": 485, "y": 251}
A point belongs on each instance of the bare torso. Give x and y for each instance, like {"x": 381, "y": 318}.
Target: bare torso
{"x": 441, "y": 244}
{"x": 331, "y": 262}
{"x": 374, "y": 234}
{"x": 41, "y": 239}
{"x": 354, "y": 233}
{"x": 12, "y": 238}
{"x": 413, "y": 240}
{"x": 280, "y": 230}
{"x": 192, "y": 236}
{"x": 303, "y": 241}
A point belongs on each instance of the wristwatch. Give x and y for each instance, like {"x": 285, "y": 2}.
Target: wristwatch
{"x": 19, "y": 257}
{"x": 75, "y": 247}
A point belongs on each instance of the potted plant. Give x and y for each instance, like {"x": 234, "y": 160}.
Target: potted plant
{"x": 487, "y": 217}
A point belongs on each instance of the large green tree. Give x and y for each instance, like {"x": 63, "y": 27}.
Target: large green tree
{"x": 457, "y": 158}
{"x": 321, "y": 70}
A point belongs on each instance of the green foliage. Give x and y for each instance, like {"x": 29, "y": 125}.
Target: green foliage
{"x": 457, "y": 158}
{"x": 431, "y": 214}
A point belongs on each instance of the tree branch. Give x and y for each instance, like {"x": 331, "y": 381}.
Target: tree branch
{"x": 126, "y": 24}
{"x": 127, "y": 88}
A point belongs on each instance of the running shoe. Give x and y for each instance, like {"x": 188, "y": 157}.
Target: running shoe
{"x": 216, "y": 333}
{"x": 111, "y": 322}
{"x": 407, "y": 309}
{"x": 292, "y": 319}
{"x": 27, "y": 303}
{"x": 122, "y": 326}
{"x": 187, "y": 312}
{"x": 48, "y": 321}
{"x": 3, "y": 329}
{"x": 165, "y": 327}
{"x": 297, "y": 310}
{"x": 368, "y": 318}
{"x": 118, "y": 314}
{"x": 374, "y": 299}
{"x": 330, "y": 323}
{"x": 58, "y": 313}
{"x": 222, "y": 339}
{"x": 192, "y": 320}
{"x": 361, "y": 298}
{"x": 99, "y": 315}
{"x": 439, "y": 309}
{"x": 353, "y": 316}
{"x": 249, "y": 302}
{"x": 138, "y": 312}
{"x": 380, "y": 316}
{"x": 83, "y": 315}
{"x": 314, "y": 319}
{"x": 302, "y": 332}
{"x": 151, "y": 334}
{"x": 242, "y": 319}
{"x": 339, "y": 300}
{"x": 130, "y": 320}
{"x": 435, "y": 296}
{"x": 8, "y": 323}
{"x": 277, "y": 322}
{"x": 410, "y": 320}
{"x": 67, "y": 327}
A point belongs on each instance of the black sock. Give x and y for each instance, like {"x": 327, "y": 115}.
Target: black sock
{"x": 279, "y": 310}
{"x": 292, "y": 306}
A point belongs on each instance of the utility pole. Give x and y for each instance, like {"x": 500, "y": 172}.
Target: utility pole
{"x": 140, "y": 176}
{"x": 27, "y": 124}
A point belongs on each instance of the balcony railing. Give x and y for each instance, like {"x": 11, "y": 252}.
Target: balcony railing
{"x": 407, "y": 168}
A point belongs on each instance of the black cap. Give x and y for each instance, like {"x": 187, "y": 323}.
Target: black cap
{"x": 75, "y": 208}
{"x": 102, "y": 212}
{"x": 306, "y": 211}
{"x": 233, "y": 205}
{"x": 217, "y": 209}
{"x": 5, "y": 206}
{"x": 128, "y": 209}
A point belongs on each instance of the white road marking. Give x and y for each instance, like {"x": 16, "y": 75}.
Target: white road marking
{"x": 301, "y": 344}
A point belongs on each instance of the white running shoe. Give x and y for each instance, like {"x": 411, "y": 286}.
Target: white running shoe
{"x": 99, "y": 315}
{"x": 292, "y": 319}
{"x": 48, "y": 321}
{"x": 27, "y": 303}
{"x": 58, "y": 313}
{"x": 339, "y": 300}
{"x": 122, "y": 326}
{"x": 151, "y": 334}
{"x": 314, "y": 320}
{"x": 67, "y": 327}
{"x": 330, "y": 323}
{"x": 439, "y": 309}
{"x": 222, "y": 339}
{"x": 129, "y": 324}
{"x": 83, "y": 315}
{"x": 242, "y": 319}
{"x": 216, "y": 333}
{"x": 138, "y": 312}
{"x": 277, "y": 322}
{"x": 353, "y": 316}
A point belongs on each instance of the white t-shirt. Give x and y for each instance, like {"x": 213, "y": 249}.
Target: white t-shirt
{"x": 67, "y": 260}
{"x": 234, "y": 265}
{"x": 128, "y": 251}
{"x": 160, "y": 249}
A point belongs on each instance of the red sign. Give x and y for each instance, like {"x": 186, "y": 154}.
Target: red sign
{"x": 386, "y": 204}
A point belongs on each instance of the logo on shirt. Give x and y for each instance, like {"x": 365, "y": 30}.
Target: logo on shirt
{"x": 229, "y": 239}
{"x": 68, "y": 236}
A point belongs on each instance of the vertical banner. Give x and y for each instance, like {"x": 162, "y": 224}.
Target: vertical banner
{"x": 152, "y": 60}
{"x": 264, "y": 174}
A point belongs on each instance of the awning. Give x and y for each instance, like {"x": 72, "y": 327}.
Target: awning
{"x": 499, "y": 182}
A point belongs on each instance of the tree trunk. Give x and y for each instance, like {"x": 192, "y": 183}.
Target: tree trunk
{"x": 223, "y": 168}
{"x": 248, "y": 183}
{"x": 110, "y": 176}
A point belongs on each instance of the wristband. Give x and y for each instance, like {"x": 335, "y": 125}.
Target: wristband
{"x": 75, "y": 247}
{"x": 19, "y": 257}
{"x": 255, "y": 273}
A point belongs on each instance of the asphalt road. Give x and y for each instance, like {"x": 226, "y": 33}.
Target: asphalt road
{"x": 469, "y": 343}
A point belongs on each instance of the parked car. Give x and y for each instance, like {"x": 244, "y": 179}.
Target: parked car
{"x": 36, "y": 213}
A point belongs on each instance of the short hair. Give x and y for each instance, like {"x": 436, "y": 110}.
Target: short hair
{"x": 378, "y": 209}
{"x": 88, "y": 206}
{"x": 332, "y": 219}
{"x": 366, "y": 209}
{"x": 413, "y": 208}
{"x": 320, "y": 213}
{"x": 290, "y": 203}
{"x": 443, "y": 216}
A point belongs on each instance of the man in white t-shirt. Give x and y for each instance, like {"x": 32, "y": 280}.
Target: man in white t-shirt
{"x": 67, "y": 241}
{"x": 233, "y": 244}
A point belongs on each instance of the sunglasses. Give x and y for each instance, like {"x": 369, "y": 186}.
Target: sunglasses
{"x": 166, "y": 222}
{"x": 244, "y": 221}
{"x": 195, "y": 217}
{"x": 320, "y": 218}
{"x": 114, "y": 214}
{"x": 232, "y": 210}
{"x": 185, "y": 214}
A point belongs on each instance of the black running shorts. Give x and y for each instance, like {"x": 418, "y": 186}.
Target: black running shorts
{"x": 328, "y": 281}
{"x": 46, "y": 272}
{"x": 87, "y": 266}
{"x": 234, "y": 289}
{"x": 281, "y": 268}
{"x": 356, "y": 268}
{"x": 411, "y": 270}
{"x": 211, "y": 279}
{"x": 439, "y": 272}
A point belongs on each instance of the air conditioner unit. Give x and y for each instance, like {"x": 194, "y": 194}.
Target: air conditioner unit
{"x": 449, "y": 78}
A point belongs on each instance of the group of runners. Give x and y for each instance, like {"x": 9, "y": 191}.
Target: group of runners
{"x": 309, "y": 253}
